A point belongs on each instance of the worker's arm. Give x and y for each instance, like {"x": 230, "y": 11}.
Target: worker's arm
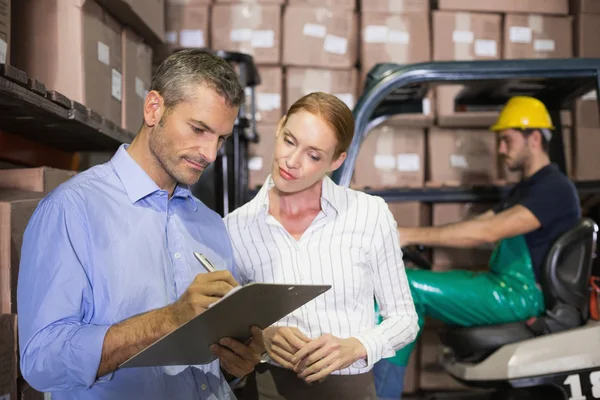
{"x": 491, "y": 228}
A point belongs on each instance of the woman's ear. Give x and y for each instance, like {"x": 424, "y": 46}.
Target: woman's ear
{"x": 280, "y": 125}
{"x": 339, "y": 161}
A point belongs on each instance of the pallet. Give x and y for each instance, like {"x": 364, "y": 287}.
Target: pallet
{"x": 32, "y": 111}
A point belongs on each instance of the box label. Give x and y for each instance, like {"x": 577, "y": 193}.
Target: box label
{"x": 520, "y": 34}
{"x": 384, "y": 161}
{"x": 335, "y": 44}
{"x": 462, "y": 37}
{"x": 192, "y": 38}
{"x": 171, "y": 37}
{"x": 376, "y": 34}
{"x": 408, "y": 162}
{"x": 140, "y": 90}
{"x": 485, "y": 48}
{"x": 240, "y": 35}
{"x": 590, "y": 96}
{"x": 103, "y": 53}
{"x": 347, "y": 98}
{"x": 426, "y": 106}
{"x": 314, "y": 30}
{"x": 255, "y": 163}
{"x": 263, "y": 39}
{"x": 458, "y": 161}
{"x": 3, "y": 51}
{"x": 268, "y": 101}
{"x": 399, "y": 37}
{"x": 117, "y": 85}
{"x": 543, "y": 45}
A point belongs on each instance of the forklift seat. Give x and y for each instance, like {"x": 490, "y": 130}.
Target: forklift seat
{"x": 565, "y": 284}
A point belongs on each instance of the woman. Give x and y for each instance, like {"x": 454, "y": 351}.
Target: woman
{"x": 302, "y": 228}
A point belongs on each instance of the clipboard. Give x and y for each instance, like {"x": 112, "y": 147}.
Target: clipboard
{"x": 260, "y": 304}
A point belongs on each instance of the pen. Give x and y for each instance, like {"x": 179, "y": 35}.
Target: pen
{"x": 204, "y": 261}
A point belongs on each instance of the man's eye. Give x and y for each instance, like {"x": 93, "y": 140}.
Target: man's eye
{"x": 197, "y": 130}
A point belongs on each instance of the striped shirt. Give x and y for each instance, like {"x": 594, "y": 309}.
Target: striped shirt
{"x": 353, "y": 245}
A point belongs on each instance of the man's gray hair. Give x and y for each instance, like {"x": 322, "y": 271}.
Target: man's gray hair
{"x": 186, "y": 68}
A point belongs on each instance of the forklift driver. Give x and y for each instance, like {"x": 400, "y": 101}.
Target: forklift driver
{"x": 541, "y": 207}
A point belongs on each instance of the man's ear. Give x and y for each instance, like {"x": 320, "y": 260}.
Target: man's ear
{"x": 154, "y": 108}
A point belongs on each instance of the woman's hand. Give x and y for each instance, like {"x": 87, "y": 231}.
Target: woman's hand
{"x": 282, "y": 343}
{"x": 326, "y": 354}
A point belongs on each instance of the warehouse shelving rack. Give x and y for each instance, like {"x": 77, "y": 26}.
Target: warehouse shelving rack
{"x": 393, "y": 89}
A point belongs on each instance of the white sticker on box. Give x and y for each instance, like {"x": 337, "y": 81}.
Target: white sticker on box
{"x": 485, "y": 48}
{"x": 240, "y": 35}
{"x": 103, "y": 53}
{"x": 590, "y": 96}
{"x": 458, "y": 161}
{"x": 117, "y": 85}
{"x": 543, "y": 45}
{"x": 376, "y": 34}
{"x": 171, "y": 37}
{"x": 335, "y": 44}
{"x": 268, "y": 101}
{"x": 314, "y": 30}
{"x": 192, "y": 38}
{"x": 347, "y": 98}
{"x": 400, "y": 37}
{"x": 408, "y": 162}
{"x": 263, "y": 39}
{"x": 3, "y": 51}
{"x": 139, "y": 88}
{"x": 426, "y": 106}
{"x": 255, "y": 163}
{"x": 47, "y": 396}
{"x": 383, "y": 161}
{"x": 462, "y": 37}
{"x": 520, "y": 34}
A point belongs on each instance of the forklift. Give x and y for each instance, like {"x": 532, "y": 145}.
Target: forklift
{"x": 510, "y": 361}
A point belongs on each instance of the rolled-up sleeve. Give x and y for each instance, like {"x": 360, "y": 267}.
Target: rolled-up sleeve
{"x": 59, "y": 348}
{"x": 392, "y": 292}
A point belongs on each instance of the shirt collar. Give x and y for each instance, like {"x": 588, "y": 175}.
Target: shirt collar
{"x": 328, "y": 198}
{"x": 137, "y": 182}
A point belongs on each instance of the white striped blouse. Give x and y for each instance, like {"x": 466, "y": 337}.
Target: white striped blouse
{"x": 352, "y": 245}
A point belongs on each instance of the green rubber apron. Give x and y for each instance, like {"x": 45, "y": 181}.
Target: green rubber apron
{"x": 506, "y": 293}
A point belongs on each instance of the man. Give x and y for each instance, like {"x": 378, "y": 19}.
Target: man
{"x": 107, "y": 262}
{"x": 536, "y": 212}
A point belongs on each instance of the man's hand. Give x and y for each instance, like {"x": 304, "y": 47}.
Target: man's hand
{"x": 282, "y": 343}
{"x": 205, "y": 290}
{"x": 237, "y": 358}
{"x": 326, "y": 354}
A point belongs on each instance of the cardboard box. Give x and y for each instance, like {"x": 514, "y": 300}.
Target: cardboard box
{"x": 8, "y": 356}
{"x": 146, "y": 17}
{"x": 432, "y": 374}
{"x": 395, "y": 6}
{"x": 16, "y": 207}
{"x": 81, "y": 59}
{"x": 268, "y": 95}
{"x": 320, "y": 37}
{"x": 452, "y": 115}
{"x": 187, "y": 26}
{"x": 586, "y": 141}
{"x": 462, "y": 156}
{"x": 586, "y": 28}
{"x": 391, "y": 156}
{"x": 537, "y": 36}
{"x": 41, "y": 180}
{"x": 260, "y": 155}
{"x": 466, "y": 36}
{"x": 26, "y": 392}
{"x": 5, "y": 28}
{"x": 302, "y": 81}
{"x": 332, "y": 4}
{"x": 560, "y": 7}
{"x": 450, "y": 258}
{"x": 137, "y": 76}
{"x": 585, "y": 6}
{"x": 411, "y": 214}
{"x": 254, "y": 29}
{"x": 411, "y": 377}
{"x": 395, "y": 38}
{"x": 239, "y": 1}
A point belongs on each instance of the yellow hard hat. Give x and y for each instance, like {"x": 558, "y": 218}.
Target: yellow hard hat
{"x": 523, "y": 112}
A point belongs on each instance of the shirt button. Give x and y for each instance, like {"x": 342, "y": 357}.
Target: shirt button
{"x": 203, "y": 387}
{"x": 177, "y": 256}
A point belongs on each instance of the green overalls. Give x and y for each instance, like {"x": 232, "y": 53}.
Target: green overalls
{"x": 506, "y": 293}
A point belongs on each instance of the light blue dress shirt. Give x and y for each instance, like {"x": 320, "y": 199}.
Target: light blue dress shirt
{"x": 103, "y": 247}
